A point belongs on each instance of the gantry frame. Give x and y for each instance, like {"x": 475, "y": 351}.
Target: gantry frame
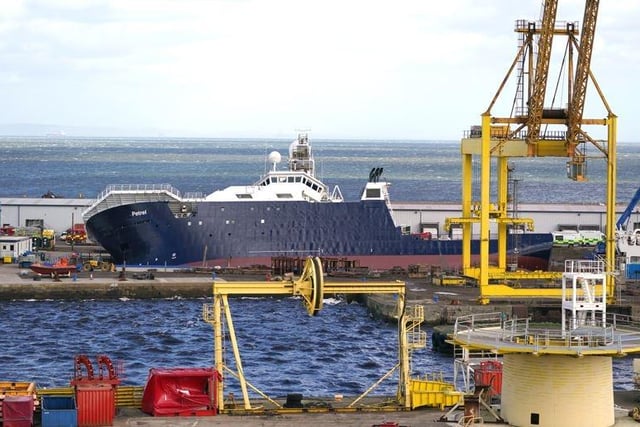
{"x": 501, "y": 138}
{"x": 312, "y": 288}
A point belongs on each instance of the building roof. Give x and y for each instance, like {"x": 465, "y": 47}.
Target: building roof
{"x": 9, "y": 239}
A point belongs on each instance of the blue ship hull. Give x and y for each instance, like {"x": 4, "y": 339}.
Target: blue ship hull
{"x": 244, "y": 233}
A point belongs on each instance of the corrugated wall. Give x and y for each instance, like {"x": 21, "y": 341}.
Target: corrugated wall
{"x": 557, "y": 391}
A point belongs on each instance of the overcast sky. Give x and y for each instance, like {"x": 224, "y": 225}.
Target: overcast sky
{"x": 400, "y": 69}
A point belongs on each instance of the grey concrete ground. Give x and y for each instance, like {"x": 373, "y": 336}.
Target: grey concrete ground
{"x": 418, "y": 418}
{"x": 411, "y": 418}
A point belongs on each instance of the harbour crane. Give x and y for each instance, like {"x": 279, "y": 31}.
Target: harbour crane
{"x": 531, "y": 130}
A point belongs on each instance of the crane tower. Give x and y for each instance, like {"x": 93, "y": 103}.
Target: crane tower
{"x": 534, "y": 130}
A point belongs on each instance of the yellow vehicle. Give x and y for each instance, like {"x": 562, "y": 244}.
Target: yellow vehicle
{"x": 97, "y": 265}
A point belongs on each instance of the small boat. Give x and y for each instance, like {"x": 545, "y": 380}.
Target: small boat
{"x": 61, "y": 267}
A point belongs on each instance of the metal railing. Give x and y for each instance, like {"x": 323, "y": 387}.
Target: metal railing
{"x": 151, "y": 188}
{"x": 584, "y": 266}
{"x": 615, "y": 332}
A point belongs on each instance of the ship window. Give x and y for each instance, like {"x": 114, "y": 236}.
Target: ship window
{"x": 314, "y": 187}
{"x": 372, "y": 193}
{"x": 290, "y": 179}
{"x": 244, "y": 196}
{"x": 282, "y": 179}
{"x": 298, "y": 179}
{"x": 284, "y": 196}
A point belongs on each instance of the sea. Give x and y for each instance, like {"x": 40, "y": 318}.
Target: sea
{"x": 343, "y": 350}
{"x": 419, "y": 171}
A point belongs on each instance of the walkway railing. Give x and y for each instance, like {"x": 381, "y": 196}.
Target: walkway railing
{"x": 616, "y": 332}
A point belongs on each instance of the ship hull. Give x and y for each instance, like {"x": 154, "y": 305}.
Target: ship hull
{"x": 244, "y": 233}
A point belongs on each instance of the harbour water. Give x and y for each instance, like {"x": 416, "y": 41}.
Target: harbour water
{"x": 342, "y": 351}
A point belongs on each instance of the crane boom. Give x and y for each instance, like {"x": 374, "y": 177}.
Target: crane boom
{"x": 576, "y": 106}
{"x": 624, "y": 218}
{"x": 545, "y": 41}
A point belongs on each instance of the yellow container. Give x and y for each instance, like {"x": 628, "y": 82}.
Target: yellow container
{"x": 48, "y": 233}
{"x": 7, "y": 260}
{"x": 433, "y": 393}
{"x": 12, "y": 388}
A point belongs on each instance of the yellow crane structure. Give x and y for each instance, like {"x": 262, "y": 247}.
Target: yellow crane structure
{"x": 311, "y": 288}
{"x": 532, "y": 130}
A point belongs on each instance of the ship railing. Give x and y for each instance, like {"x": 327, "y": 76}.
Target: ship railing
{"x": 193, "y": 195}
{"x": 143, "y": 188}
{"x": 121, "y": 194}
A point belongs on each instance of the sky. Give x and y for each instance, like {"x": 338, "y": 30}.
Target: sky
{"x": 404, "y": 69}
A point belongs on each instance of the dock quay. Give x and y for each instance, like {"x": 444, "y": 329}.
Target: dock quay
{"x": 442, "y": 304}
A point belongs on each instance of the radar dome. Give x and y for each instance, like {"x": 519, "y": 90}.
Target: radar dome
{"x": 274, "y": 157}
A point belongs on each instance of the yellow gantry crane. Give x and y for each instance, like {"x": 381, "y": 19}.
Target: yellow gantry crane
{"x": 311, "y": 288}
{"x": 534, "y": 131}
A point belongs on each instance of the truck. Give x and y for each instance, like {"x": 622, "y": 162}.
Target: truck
{"x": 570, "y": 238}
{"x": 76, "y": 234}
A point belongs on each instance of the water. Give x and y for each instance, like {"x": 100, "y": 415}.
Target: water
{"x": 418, "y": 170}
{"x": 341, "y": 350}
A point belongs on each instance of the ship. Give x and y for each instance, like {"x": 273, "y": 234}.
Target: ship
{"x": 287, "y": 212}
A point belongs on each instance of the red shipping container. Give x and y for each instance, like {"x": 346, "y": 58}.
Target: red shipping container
{"x": 96, "y": 404}
{"x": 17, "y": 411}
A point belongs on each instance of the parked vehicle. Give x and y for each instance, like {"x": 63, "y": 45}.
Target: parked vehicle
{"x": 570, "y": 238}
{"x": 75, "y": 234}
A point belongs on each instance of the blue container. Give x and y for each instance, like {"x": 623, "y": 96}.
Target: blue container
{"x": 59, "y": 411}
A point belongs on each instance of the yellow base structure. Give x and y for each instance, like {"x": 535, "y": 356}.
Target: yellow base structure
{"x": 557, "y": 391}
{"x": 433, "y": 393}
